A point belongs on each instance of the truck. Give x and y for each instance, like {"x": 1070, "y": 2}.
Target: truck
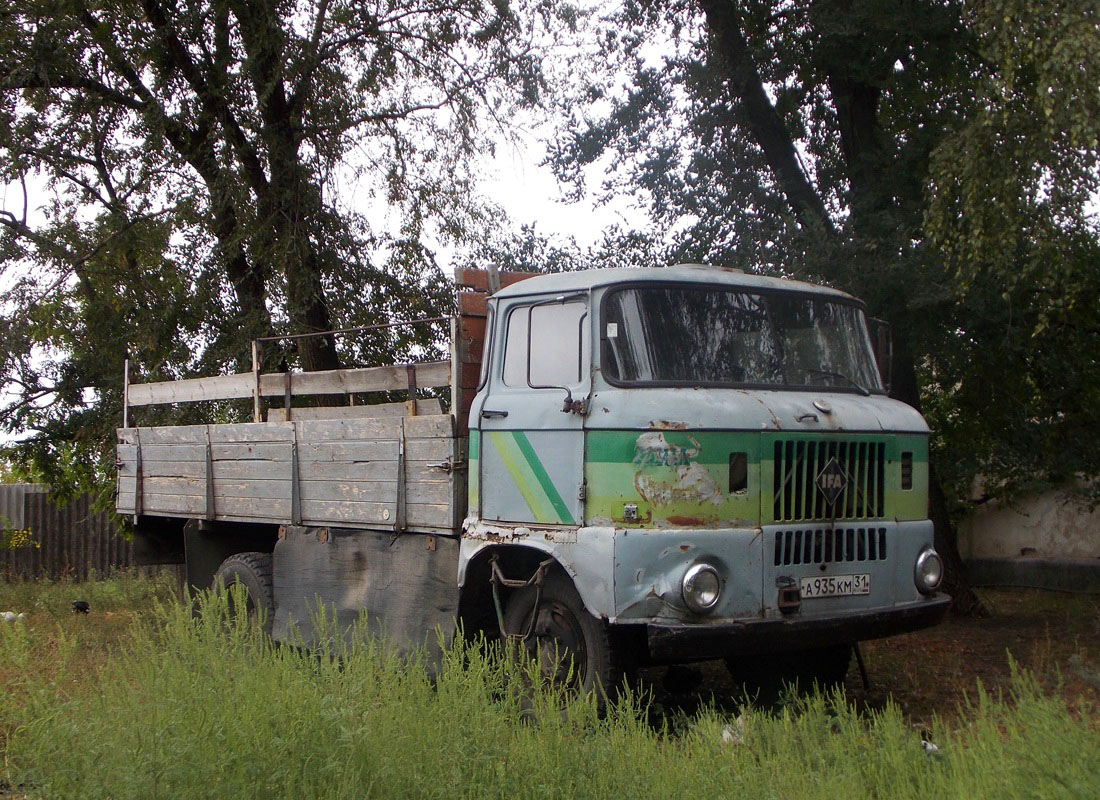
{"x": 621, "y": 467}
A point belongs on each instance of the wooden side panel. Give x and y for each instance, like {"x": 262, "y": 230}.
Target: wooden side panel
{"x": 367, "y": 472}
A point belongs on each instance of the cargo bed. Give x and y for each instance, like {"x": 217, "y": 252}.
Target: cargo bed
{"x": 394, "y": 473}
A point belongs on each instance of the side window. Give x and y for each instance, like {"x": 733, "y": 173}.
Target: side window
{"x": 556, "y": 345}
{"x": 485, "y": 349}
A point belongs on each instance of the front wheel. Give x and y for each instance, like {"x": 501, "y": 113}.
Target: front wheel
{"x": 572, "y": 647}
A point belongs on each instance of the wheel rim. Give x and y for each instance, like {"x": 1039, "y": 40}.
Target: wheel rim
{"x": 557, "y": 641}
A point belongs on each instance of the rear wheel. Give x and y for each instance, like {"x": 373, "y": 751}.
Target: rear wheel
{"x": 253, "y": 571}
{"x": 572, "y": 647}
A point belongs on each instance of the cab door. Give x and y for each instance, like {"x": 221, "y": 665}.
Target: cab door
{"x": 531, "y": 419}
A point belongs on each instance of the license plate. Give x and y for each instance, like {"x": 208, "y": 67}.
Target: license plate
{"x": 835, "y": 585}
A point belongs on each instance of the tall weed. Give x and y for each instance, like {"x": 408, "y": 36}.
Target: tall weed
{"x": 206, "y": 707}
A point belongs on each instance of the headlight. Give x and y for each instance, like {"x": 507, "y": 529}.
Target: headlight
{"x": 928, "y": 571}
{"x": 701, "y": 587}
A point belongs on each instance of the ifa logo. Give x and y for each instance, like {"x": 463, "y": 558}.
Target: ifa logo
{"x": 831, "y": 480}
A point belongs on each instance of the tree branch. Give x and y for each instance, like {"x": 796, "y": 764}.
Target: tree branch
{"x": 762, "y": 120}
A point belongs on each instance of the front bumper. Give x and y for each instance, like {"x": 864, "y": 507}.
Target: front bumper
{"x": 699, "y": 642}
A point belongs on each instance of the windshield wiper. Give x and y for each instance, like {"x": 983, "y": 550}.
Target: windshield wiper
{"x": 829, "y": 374}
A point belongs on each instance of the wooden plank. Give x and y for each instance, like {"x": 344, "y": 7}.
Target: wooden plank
{"x": 276, "y": 452}
{"x": 374, "y": 491}
{"x": 433, "y": 427}
{"x": 429, "y": 449}
{"x": 348, "y": 452}
{"x": 271, "y": 509}
{"x": 173, "y": 452}
{"x": 320, "y": 430}
{"x": 168, "y": 434}
{"x": 257, "y": 488}
{"x": 339, "y": 512}
{"x": 366, "y": 379}
{"x": 415, "y": 471}
{"x": 230, "y": 471}
{"x": 474, "y": 278}
{"x": 252, "y": 432}
{"x": 172, "y": 469}
{"x": 189, "y": 390}
{"x": 167, "y": 504}
{"x": 424, "y": 407}
{"x": 242, "y": 385}
{"x": 430, "y": 515}
{"x": 381, "y": 470}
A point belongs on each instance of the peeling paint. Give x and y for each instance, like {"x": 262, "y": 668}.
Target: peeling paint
{"x": 693, "y": 484}
{"x": 653, "y": 449}
{"x": 665, "y": 425}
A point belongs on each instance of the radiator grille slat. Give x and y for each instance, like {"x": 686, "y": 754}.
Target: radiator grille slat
{"x": 822, "y": 546}
{"x": 797, "y": 463}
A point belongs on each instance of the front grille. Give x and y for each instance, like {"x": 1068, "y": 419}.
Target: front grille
{"x": 829, "y": 546}
{"x": 797, "y": 465}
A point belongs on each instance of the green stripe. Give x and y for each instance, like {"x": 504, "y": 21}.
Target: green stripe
{"x": 543, "y": 479}
{"x": 523, "y": 476}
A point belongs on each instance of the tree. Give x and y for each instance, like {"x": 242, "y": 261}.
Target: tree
{"x": 934, "y": 158}
{"x": 207, "y": 167}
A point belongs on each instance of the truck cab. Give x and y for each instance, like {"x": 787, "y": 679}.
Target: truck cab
{"x": 709, "y": 457}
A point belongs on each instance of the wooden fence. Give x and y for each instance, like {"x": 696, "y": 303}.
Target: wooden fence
{"x": 41, "y": 540}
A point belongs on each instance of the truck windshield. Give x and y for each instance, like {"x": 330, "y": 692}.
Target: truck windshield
{"x": 707, "y": 336}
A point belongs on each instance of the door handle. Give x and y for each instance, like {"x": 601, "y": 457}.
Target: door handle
{"x": 487, "y": 413}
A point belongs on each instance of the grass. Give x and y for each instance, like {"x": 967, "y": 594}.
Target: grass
{"x": 172, "y": 706}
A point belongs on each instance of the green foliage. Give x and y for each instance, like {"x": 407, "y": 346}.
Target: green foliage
{"x": 952, "y": 147}
{"x": 208, "y": 708}
{"x": 184, "y": 178}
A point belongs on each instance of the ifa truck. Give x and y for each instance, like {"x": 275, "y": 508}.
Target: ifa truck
{"x": 622, "y": 467}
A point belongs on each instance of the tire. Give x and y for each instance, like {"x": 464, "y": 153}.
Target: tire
{"x": 767, "y": 677}
{"x": 253, "y": 571}
{"x": 573, "y": 648}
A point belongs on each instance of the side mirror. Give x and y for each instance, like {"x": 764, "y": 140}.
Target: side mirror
{"x": 882, "y": 344}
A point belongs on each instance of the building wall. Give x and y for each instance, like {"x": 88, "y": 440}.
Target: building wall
{"x": 1049, "y": 525}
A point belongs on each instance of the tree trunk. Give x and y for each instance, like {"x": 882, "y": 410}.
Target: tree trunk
{"x": 294, "y": 201}
{"x": 856, "y": 103}
{"x": 955, "y": 582}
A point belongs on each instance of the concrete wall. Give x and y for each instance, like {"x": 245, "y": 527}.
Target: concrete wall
{"x": 1049, "y": 525}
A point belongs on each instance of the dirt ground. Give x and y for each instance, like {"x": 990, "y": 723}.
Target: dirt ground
{"x": 1054, "y": 636}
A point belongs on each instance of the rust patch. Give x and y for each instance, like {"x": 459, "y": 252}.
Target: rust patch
{"x": 775, "y": 420}
{"x": 685, "y": 521}
{"x": 665, "y": 425}
{"x": 684, "y": 548}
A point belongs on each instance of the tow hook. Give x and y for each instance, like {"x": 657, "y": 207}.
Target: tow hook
{"x": 790, "y": 599}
